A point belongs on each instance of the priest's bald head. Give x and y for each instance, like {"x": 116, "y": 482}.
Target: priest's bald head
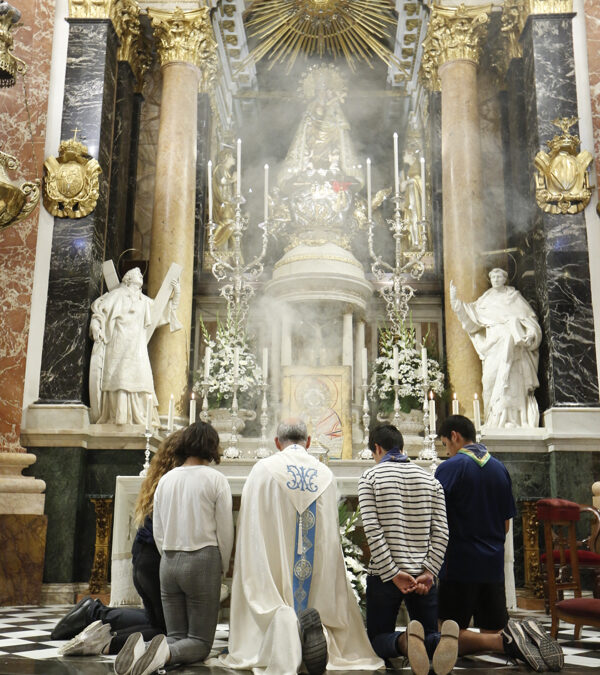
{"x": 292, "y": 431}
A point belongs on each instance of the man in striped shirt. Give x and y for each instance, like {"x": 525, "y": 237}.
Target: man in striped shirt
{"x": 404, "y": 517}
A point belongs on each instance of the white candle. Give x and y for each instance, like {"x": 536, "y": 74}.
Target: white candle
{"x": 207, "y": 355}
{"x": 454, "y": 404}
{"x": 423, "y": 201}
{"x": 236, "y": 363}
{"x": 369, "y": 214}
{"x": 171, "y": 413}
{"x": 396, "y": 174}
{"x": 239, "y": 166}
{"x": 210, "y": 192}
{"x": 266, "y": 192}
{"x": 265, "y": 366}
{"x": 476, "y": 413}
{"x": 431, "y": 413}
{"x": 149, "y": 412}
{"x": 395, "y": 363}
{"x": 192, "y": 408}
{"x": 424, "y": 364}
{"x": 365, "y": 368}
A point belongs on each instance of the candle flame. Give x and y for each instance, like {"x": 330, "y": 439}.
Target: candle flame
{"x": 454, "y": 396}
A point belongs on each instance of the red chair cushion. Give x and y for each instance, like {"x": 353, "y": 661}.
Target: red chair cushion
{"x": 581, "y": 607}
{"x": 556, "y": 510}
{"x": 584, "y": 557}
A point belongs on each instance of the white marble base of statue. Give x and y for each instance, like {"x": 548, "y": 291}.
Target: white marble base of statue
{"x": 122, "y": 323}
{"x": 506, "y": 334}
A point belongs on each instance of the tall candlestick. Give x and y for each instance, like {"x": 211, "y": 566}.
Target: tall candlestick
{"x": 192, "y": 408}
{"x": 424, "y": 364}
{"x": 365, "y": 368}
{"x": 171, "y": 414}
{"x": 266, "y": 192}
{"x": 236, "y": 364}
{"x": 369, "y": 213}
{"x": 265, "y": 364}
{"x": 239, "y": 166}
{"x": 454, "y": 404}
{"x": 149, "y": 412}
{"x": 395, "y": 363}
{"x": 431, "y": 414}
{"x": 396, "y": 174}
{"x": 476, "y": 413}
{"x": 423, "y": 200}
{"x": 207, "y": 355}
{"x": 210, "y": 192}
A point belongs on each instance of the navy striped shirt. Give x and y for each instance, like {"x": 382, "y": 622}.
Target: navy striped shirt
{"x": 404, "y": 516}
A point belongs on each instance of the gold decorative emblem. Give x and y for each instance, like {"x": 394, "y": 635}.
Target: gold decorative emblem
{"x": 71, "y": 184}
{"x": 562, "y": 181}
{"x": 9, "y": 63}
{"x": 16, "y": 201}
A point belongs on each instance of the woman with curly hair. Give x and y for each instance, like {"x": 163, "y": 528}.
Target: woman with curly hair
{"x": 101, "y": 629}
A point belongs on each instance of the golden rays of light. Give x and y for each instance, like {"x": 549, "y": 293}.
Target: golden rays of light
{"x": 354, "y": 29}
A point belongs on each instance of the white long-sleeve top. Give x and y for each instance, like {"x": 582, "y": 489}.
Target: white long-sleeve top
{"x": 192, "y": 510}
{"x": 403, "y": 512}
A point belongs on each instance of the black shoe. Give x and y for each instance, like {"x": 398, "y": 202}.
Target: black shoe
{"x": 314, "y": 645}
{"x": 74, "y": 621}
{"x": 550, "y": 650}
{"x": 519, "y": 647}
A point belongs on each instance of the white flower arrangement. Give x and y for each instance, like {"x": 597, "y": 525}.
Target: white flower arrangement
{"x": 229, "y": 335}
{"x": 356, "y": 572}
{"x": 410, "y": 376}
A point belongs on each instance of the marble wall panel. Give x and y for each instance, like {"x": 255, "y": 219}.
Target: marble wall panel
{"x": 592, "y": 21}
{"x": 567, "y": 355}
{"x": 78, "y": 246}
{"x": 23, "y": 110}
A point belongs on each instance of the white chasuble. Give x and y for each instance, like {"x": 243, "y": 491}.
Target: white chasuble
{"x": 288, "y": 543}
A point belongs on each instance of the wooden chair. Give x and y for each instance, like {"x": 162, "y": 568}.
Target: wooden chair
{"x": 559, "y": 518}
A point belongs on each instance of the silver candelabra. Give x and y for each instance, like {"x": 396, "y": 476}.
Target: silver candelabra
{"x": 365, "y": 453}
{"x": 204, "y": 415}
{"x": 232, "y": 451}
{"x": 428, "y": 452}
{"x": 146, "y": 466}
{"x": 263, "y": 449}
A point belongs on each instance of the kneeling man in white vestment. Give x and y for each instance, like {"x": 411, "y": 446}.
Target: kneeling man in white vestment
{"x": 290, "y": 600}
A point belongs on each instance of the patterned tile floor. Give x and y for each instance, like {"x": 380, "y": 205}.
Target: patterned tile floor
{"x": 26, "y": 647}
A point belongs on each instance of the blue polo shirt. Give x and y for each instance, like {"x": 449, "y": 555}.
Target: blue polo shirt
{"x": 478, "y": 502}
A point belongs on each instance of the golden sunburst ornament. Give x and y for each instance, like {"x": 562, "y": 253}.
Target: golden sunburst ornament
{"x": 352, "y": 28}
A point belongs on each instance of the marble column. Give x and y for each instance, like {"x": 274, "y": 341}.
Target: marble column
{"x": 185, "y": 46}
{"x": 286, "y": 342}
{"x": 359, "y": 343}
{"x": 275, "y": 365}
{"x": 560, "y": 249}
{"x": 75, "y": 278}
{"x": 450, "y": 58}
{"x": 347, "y": 340}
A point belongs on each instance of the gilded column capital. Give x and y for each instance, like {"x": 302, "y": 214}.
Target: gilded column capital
{"x": 187, "y": 37}
{"x": 514, "y": 15}
{"x": 135, "y": 48}
{"x": 89, "y": 9}
{"x": 453, "y": 34}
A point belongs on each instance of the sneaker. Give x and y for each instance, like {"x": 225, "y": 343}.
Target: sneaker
{"x": 153, "y": 658}
{"x": 549, "y": 648}
{"x": 415, "y": 645}
{"x": 130, "y": 652}
{"x": 314, "y": 644}
{"x": 91, "y": 641}
{"x": 519, "y": 647}
{"x": 446, "y": 652}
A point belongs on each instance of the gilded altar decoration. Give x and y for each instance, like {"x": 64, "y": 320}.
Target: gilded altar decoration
{"x": 187, "y": 37}
{"x": 549, "y": 6}
{"x": 454, "y": 33}
{"x": 356, "y": 29}
{"x": 135, "y": 46}
{"x": 16, "y": 201}
{"x": 89, "y": 9}
{"x": 9, "y": 63}
{"x": 511, "y": 26}
{"x": 562, "y": 180}
{"x": 71, "y": 185}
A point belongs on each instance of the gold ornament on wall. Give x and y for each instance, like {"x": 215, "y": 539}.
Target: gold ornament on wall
{"x": 71, "y": 184}
{"x": 9, "y": 63}
{"x": 562, "y": 180}
{"x": 16, "y": 201}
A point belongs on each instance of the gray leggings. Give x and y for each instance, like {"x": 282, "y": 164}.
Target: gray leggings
{"x": 190, "y": 588}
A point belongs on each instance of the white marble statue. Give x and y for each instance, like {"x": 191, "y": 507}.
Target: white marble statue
{"x": 506, "y": 334}
{"x": 123, "y": 321}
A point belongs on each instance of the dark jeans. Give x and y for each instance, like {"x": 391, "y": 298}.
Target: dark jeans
{"x": 149, "y": 621}
{"x": 384, "y": 600}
